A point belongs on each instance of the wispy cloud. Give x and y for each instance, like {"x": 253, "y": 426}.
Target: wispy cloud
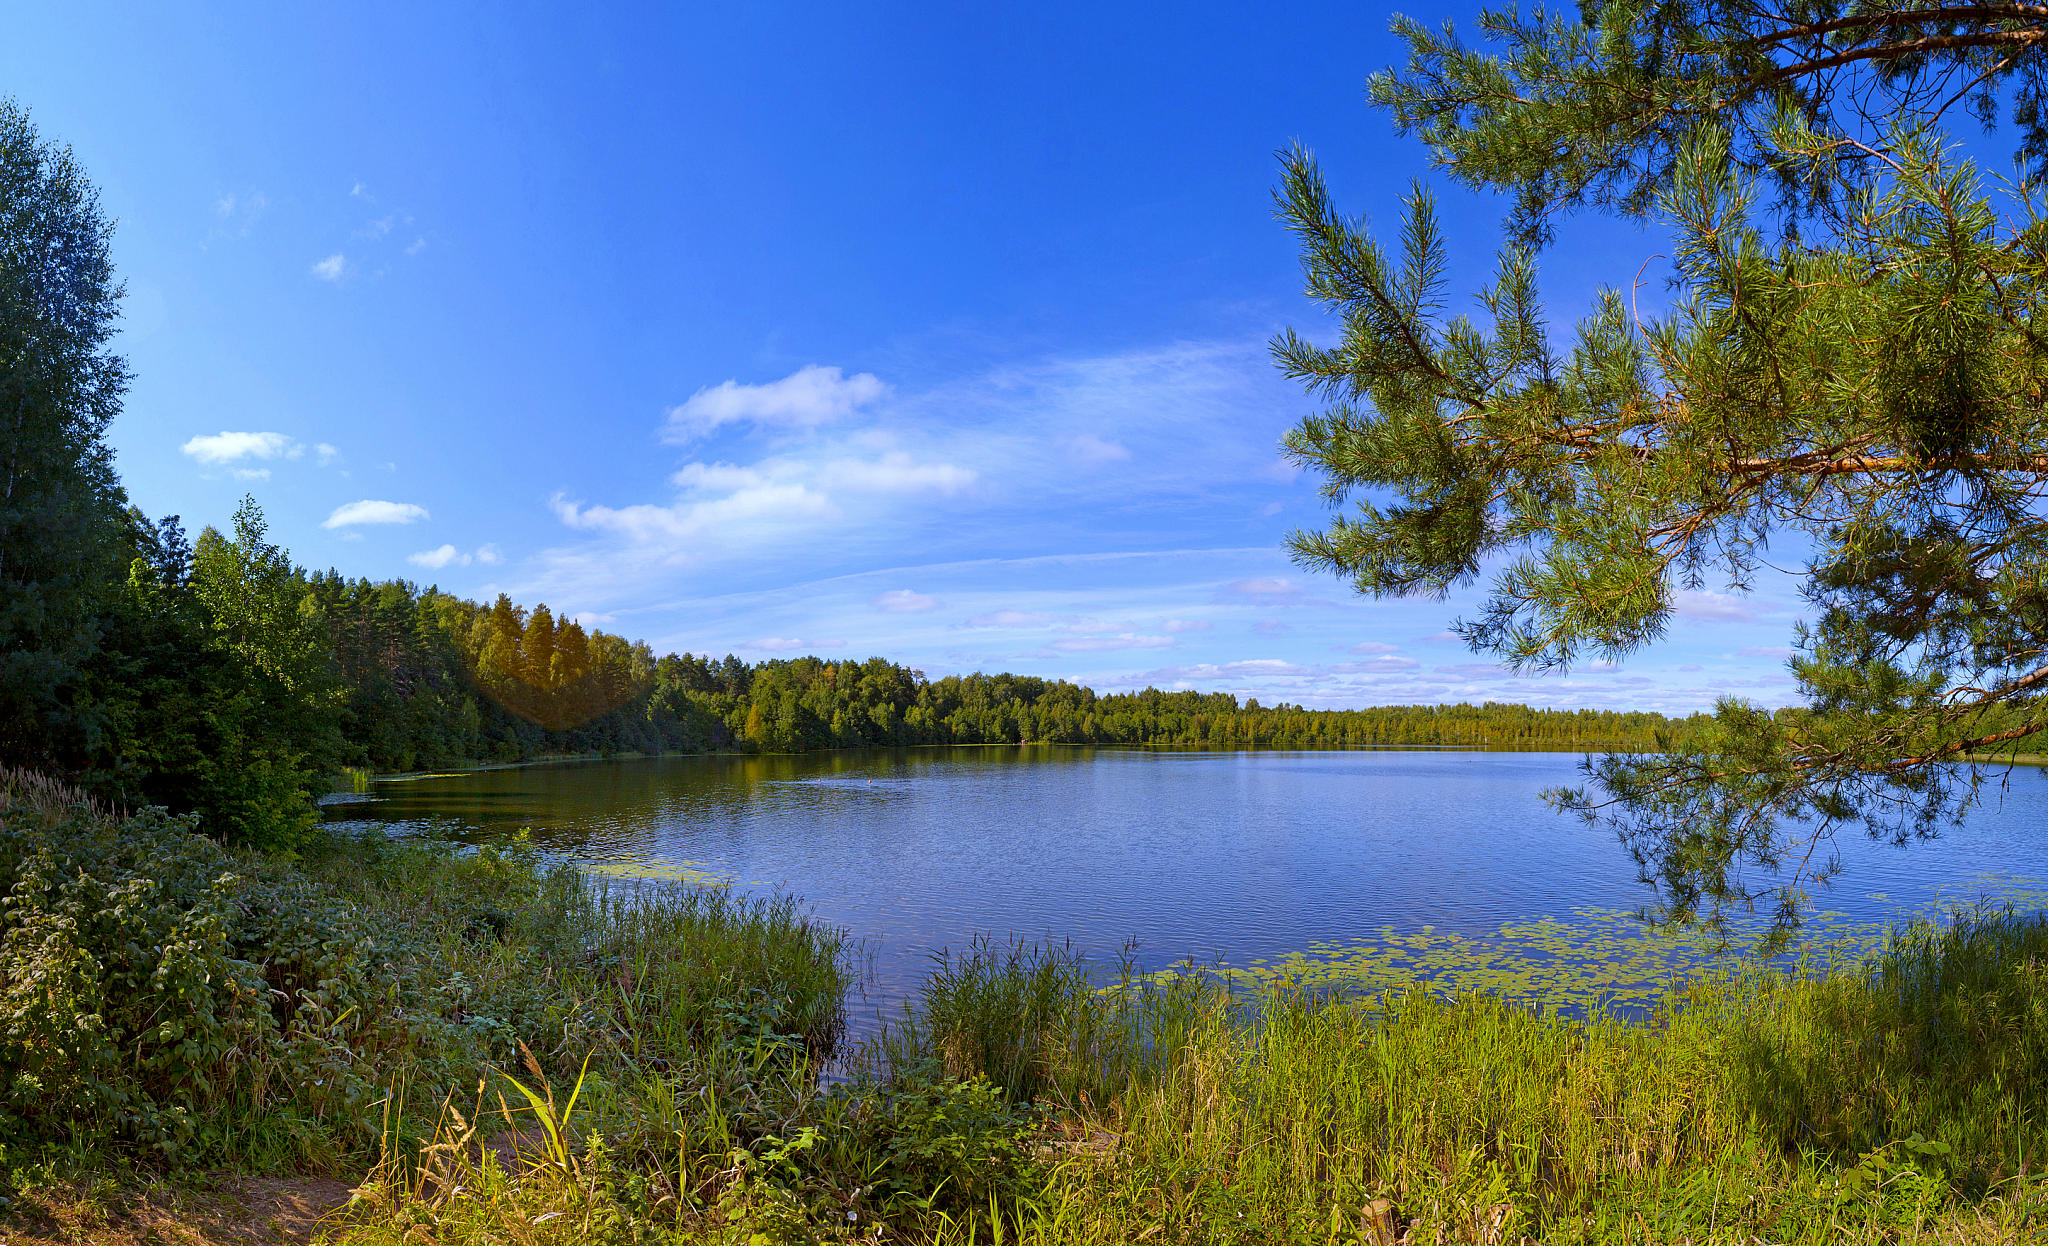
{"x": 904, "y": 601}
{"x": 1175, "y": 627}
{"x": 1011, "y": 619}
{"x": 236, "y": 214}
{"x": 804, "y": 399}
{"x": 777, "y": 644}
{"x": 333, "y": 268}
{"x": 1710, "y": 607}
{"x": 671, "y": 532}
{"x": 1270, "y": 591}
{"x": 1092, "y": 451}
{"x": 370, "y": 512}
{"x": 1110, "y": 644}
{"x": 853, "y": 464}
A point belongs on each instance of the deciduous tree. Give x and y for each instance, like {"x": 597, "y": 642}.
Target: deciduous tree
{"x": 61, "y": 548}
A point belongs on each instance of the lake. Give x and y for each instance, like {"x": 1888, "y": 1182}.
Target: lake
{"x": 1233, "y": 856}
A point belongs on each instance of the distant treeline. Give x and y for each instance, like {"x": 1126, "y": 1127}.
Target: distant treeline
{"x": 225, "y": 680}
{"x": 434, "y": 680}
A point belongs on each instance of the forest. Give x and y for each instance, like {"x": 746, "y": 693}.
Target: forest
{"x": 228, "y": 681}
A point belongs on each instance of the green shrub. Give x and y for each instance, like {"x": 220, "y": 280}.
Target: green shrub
{"x": 957, "y": 1146}
{"x": 161, "y": 994}
{"x": 122, "y": 1010}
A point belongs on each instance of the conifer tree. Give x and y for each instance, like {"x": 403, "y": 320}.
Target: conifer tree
{"x": 1853, "y": 360}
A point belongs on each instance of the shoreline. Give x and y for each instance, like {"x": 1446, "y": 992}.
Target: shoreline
{"x": 344, "y": 780}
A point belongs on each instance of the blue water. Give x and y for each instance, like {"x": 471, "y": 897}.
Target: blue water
{"x": 1232, "y": 856}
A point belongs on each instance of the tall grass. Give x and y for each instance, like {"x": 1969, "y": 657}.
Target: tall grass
{"x": 1040, "y": 1023}
{"x": 1025, "y": 1098}
{"x": 1900, "y": 1101}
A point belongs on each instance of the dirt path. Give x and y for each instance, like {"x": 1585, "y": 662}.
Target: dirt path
{"x": 222, "y": 1211}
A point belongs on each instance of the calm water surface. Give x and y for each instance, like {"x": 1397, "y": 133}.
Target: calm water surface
{"x": 1239, "y": 856}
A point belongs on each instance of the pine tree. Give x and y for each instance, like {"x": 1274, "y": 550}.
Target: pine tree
{"x": 61, "y": 545}
{"x": 1854, "y": 359}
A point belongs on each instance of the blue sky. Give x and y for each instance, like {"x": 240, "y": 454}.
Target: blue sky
{"x": 934, "y": 332}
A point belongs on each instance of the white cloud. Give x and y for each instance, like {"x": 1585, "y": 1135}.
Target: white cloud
{"x": 1692, "y": 666}
{"x": 591, "y": 620}
{"x": 418, "y": 245}
{"x": 238, "y": 213}
{"x": 1271, "y": 627}
{"x": 1709, "y": 607}
{"x": 1011, "y": 618}
{"x": 717, "y": 476}
{"x": 1371, "y": 646}
{"x": 226, "y": 447}
{"x": 1271, "y": 509}
{"x": 776, "y": 644}
{"x": 894, "y": 472}
{"x": 1270, "y": 591}
{"x": 1206, "y": 671}
{"x": 1764, "y": 651}
{"x": 1381, "y": 662}
{"x": 333, "y": 268}
{"x": 1093, "y": 451}
{"x": 435, "y": 559}
{"x": 673, "y": 527}
{"x": 802, "y": 400}
{"x": 1442, "y": 638}
{"x": 374, "y": 512}
{"x": 327, "y": 453}
{"x": 1106, "y": 644}
{"x": 448, "y": 555}
{"x": 1179, "y": 626}
{"x": 904, "y": 601}
{"x": 251, "y": 473}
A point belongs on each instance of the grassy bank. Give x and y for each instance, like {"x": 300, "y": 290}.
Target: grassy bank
{"x": 517, "y": 1055}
